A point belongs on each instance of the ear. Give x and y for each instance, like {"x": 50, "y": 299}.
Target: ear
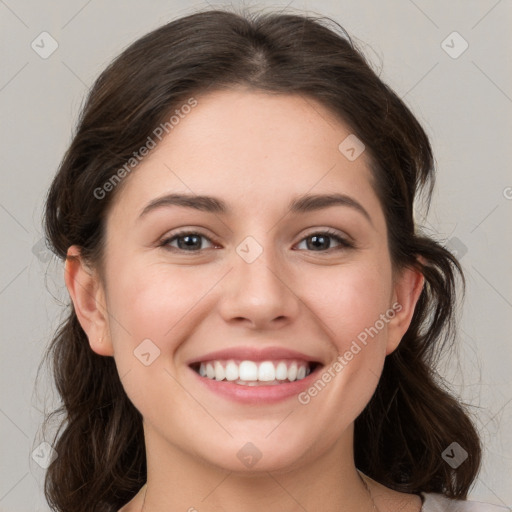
{"x": 407, "y": 290}
{"x": 86, "y": 291}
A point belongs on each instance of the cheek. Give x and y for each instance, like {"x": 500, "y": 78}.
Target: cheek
{"x": 350, "y": 300}
{"x": 155, "y": 302}
{"x": 148, "y": 312}
{"x": 356, "y": 307}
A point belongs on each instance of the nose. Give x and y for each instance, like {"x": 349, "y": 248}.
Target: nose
{"x": 258, "y": 294}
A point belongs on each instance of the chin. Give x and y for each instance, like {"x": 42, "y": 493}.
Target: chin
{"x": 260, "y": 455}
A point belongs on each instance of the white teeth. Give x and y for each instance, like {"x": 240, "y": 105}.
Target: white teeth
{"x": 231, "y": 371}
{"x": 266, "y": 372}
{"x": 292, "y": 371}
{"x": 250, "y": 373}
{"x": 281, "y": 371}
{"x": 220, "y": 374}
{"x": 248, "y": 370}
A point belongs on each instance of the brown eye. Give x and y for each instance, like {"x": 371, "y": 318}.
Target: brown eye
{"x": 321, "y": 241}
{"x": 188, "y": 241}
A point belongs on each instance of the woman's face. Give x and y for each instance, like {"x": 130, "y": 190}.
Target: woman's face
{"x": 251, "y": 283}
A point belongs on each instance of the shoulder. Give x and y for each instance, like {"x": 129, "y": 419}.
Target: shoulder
{"x": 433, "y": 502}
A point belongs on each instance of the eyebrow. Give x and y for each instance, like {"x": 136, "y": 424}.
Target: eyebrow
{"x": 302, "y": 204}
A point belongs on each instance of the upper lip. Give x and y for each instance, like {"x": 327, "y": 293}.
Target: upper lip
{"x": 254, "y": 354}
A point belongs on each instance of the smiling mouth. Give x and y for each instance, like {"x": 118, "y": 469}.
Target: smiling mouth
{"x": 255, "y": 373}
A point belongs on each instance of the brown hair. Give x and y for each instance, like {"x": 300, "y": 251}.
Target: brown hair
{"x": 412, "y": 417}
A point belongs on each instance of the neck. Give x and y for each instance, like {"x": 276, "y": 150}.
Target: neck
{"x": 178, "y": 480}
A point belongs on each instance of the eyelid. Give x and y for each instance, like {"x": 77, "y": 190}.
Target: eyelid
{"x": 329, "y": 231}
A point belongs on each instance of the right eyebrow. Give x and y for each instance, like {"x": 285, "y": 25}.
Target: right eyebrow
{"x": 202, "y": 203}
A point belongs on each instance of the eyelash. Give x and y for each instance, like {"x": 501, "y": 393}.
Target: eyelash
{"x": 345, "y": 244}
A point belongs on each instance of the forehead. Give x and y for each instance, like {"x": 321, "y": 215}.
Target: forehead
{"x": 250, "y": 146}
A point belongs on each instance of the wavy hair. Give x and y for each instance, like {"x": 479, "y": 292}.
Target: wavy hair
{"x": 412, "y": 416}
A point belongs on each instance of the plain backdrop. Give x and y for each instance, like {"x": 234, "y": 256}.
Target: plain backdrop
{"x": 462, "y": 96}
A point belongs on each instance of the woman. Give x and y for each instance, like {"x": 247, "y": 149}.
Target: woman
{"x": 255, "y": 316}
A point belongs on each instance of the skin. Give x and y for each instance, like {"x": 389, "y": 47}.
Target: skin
{"x": 256, "y": 152}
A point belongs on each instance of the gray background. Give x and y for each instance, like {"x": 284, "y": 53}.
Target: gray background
{"x": 465, "y": 104}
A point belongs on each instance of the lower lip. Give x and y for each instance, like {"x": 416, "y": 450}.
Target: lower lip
{"x": 260, "y": 394}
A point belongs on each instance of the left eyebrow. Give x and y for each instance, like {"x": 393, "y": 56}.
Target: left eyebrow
{"x": 301, "y": 204}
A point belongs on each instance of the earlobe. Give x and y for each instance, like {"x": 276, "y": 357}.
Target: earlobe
{"x": 86, "y": 292}
{"x": 407, "y": 291}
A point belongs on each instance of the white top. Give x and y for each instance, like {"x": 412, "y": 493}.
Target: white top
{"x": 433, "y": 502}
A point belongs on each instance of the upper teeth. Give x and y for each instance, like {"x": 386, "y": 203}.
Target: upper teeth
{"x": 264, "y": 371}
